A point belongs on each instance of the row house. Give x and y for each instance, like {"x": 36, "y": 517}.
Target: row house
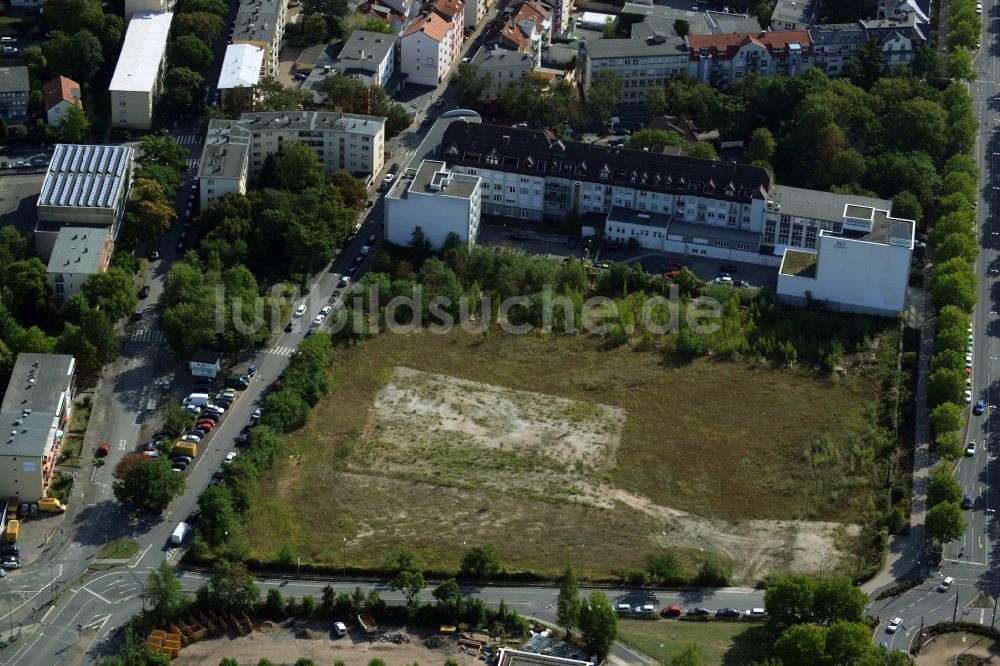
{"x": 430, "y": 45}
{"x": 898, "y": 38}
{"x": 525, "y": 27}
{"x": 720, "y": 60}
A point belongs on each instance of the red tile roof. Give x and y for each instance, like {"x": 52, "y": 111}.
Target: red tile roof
{"x": 431, "y": 24}
{"x": 725, "y": 46}
{"x": 515, "y": 30}
{"x": 61, "y": 89}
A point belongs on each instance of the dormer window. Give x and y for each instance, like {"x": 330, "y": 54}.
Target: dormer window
{"x": 632, "y": 176}
{"x": 492, "y": 157}
{"x": 581, "y": 168}
{"x": 605, "y": 172}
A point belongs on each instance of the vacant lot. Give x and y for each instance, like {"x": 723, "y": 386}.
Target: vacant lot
{"x": 721, "y": 642}
{"x": 552, "y": 450}
{"x": 947, "y": 648}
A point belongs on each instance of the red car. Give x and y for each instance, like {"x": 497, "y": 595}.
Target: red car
{"x": 103, "y": 450}
{"x": 205, "y": 425}
{"x": 673, "y": 610}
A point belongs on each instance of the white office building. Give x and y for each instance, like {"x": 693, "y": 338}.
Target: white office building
{"x": 138, "y": 77}
{"x": 437, "y": 200}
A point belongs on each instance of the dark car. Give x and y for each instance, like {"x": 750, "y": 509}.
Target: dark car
{"x": 520, "y": 238}
{"x": 371, "y": 239}
{"x": 163, "y": 432}
{"x": 192, "y": 518}
{"x": 209, "y": 416}
{"x": 352, "y": 270}
{"x": 727, "y": 268}
{"x": 144, "y": 292}
{"x": 197, "y": 432}
{"x": 103, "y": 450}
{"x": 359, "y": 259}
{"x": 979, "y": 408}
{"x": 967, "y": 502}
{"x": 243, "y": 438}
{"x": 289, "y": 327}
{"x": 10, "y": 551}
{"x": 699, "y": 612}
{"x": 137, "y": 315}
{"x": 727, "y": 612}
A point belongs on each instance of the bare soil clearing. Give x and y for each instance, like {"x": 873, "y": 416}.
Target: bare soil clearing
{"x": 553, "y": 451}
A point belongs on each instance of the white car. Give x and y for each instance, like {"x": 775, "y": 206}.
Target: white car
{"x": 301, "y": 310}
{"x": 755, "y": 614}
{"x": 968, "y": 396}
{"x": 191, "y": 438}
{"x": 623, "y": 608}
{"x": 893, "y": 625}
{"x": 979, "y": 8}
{"x": 257, "y": 412}
{"x": 724, "y": 279}
{"x": 229, "y": 457}
{"x": 972, "y": 341}
{"x": 340, "y": 628}
{"x": 388, "y": 178}
{"x": 365, "y": 249}
{"x": 326, "y": 310}
{"x": 318, "y": 319}
{"x": 344, "y": 281}
{"x": 970, "y": 449}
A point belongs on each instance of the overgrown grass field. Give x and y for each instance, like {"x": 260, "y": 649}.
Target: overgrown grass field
{"x": 727, "y": 643}
{"x": 715, "y": 438}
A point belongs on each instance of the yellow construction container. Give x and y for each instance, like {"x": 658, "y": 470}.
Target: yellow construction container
{"x": 12, "y": 530}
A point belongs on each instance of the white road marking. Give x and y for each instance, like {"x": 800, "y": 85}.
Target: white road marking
{"x": 97, "y": 595}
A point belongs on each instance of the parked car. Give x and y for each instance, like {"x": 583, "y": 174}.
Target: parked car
{"x": 699, "y": 612}
{"x": 144, "y": 292}
{"x": 673, "y": 610}
{"x": 645, "y": 609}
{"x": 301, "y": 310}
{"x": 257, "y": 413}
{"x": 755, "y": 614}
{"x": 979, "y": 408}
{"x": 289, "y": 327}
{"x": 187, "y": 460}
{"x": 727, "y": 612}
{"x": 623, "y": 608}
{"x": 192, "y": 518}
{"x": 344, "y": 281}
{"x": 198, "y": 432}
{"x": 365, "y": 249}
{"x": 970, "y": 449}
{"x": 318, "y": 319}
{"x": 230, "y": 457}
{"x": 103, "y": 449}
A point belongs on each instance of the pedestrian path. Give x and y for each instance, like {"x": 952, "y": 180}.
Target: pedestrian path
{"x": 186, "y": 139}
{"x": 147, "y": 335}
{"x": 279, "y": 350}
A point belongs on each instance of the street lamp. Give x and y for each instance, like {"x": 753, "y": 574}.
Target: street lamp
{"x": 52, "y": 580}
{"x": 343, "y": 555}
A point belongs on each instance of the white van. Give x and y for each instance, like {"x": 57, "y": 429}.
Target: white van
{"x": 945, "y": 584}
{"x": 180, "y": 532}
{"x": 196, "y": 399}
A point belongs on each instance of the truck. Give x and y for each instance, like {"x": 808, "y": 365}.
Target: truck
{"x": 184, "y": 448}
{"x": 180, "y": 532}
{"x": 51, "y": 505}
{"x": 367, "y": 623}
{"x": 197, "y": 399}
{"x": 238, "y": 382}
{"x": 11, "y": 531}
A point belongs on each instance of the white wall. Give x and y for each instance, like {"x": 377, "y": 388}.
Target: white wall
{"x": 437, "y": 216}
{"x": 853, "y": 276}
{"x": 420, "y": 59}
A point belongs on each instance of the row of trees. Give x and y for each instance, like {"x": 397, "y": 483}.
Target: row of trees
{"x": 352, "y": 96}
{"x": 195, "y": 27}
{"x": 964, "y": 25}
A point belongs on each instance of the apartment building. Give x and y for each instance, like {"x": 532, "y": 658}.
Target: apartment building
{"x": 85, "y": 186}
{"x": 526, "y": 27}
{"x": 58, "y": 95}
{"x": 794, "y": 14}
{"x": 475, "y": 10}
{"x": 504, "y": 67}
{"x": 562, "y": 12}
{"x": 430, "y": 45}
{"x": 898, "y": 37}
{"x": 138, "y": 76}
{"x": 133, "y": 6}
{"x": 369, "y": 56}
{"x": 242, "y": 66}
{"x": 438, "y": 200}
{"x": 14, "y": 89}
{"x": 235, "y": 150}
{"x": 261, "y": 23}
{"x": 382, "y": 11}
{"x": 35, "y": 410}
{"x": 642, "y": 62}
{"x": 78, "y": 253}
{"x": 721, "y": 60}
{"x": 702, "y": 208}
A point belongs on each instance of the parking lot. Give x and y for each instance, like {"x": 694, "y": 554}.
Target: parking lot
{"x": 18, "y": 196}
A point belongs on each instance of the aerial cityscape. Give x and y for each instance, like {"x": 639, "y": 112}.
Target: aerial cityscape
{"x": 524, "y": 332}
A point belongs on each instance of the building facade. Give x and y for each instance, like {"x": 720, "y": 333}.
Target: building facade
{"x": 369, "y": 55}
{"x": 504, "y": 67}
{"x": 133, "y": 6}
{"x": 526, "y": 27}
{"x": 261, "y": 23}
{"x": 78, "y": 253}
{"x": 36, "y": 409}
{"x": 138, "y": 78}
{"x": 14, "y": 90}
{"x": 436, "y": 199}
{"x": 721, "y": 60}
{"x": 642, "y": 62}
{"x": 58, "y": 95}
{"x": 430, "y": 45}
{"x": 235, "y": 150}
{"x": 85, "y": 186}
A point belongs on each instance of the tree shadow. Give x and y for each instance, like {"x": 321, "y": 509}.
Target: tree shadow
{"x": 748, "y": 646}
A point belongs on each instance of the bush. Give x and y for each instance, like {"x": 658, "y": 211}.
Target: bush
{"x": 899, "y": 588}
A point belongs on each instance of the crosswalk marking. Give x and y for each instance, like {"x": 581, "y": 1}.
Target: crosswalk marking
{"x": 186, "y": 139}
{"x": 192, "y": 162}
{"x": 279, "y": 350}
{"x": 146, "y": 335}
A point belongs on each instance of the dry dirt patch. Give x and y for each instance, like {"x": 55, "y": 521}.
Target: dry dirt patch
{"x": 458, "y": 432}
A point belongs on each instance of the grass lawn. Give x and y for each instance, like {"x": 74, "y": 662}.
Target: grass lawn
{"x": 118, "y": 549}
{"x": 719, "y": 439}
{"x": 721, "y": 642}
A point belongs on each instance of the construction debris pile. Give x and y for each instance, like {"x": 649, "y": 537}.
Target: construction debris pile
{"x": 397, "y": 637}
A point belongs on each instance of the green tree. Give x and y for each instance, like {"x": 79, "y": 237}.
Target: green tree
{"x": 905, "y": 205}
{"x": 181, "y": 88}
{"x": 146, "y": 482}
{"x": 945, "y": 385}
{"x": 866, "y": 66}
{"x": 362, "y": 22}
{"x": 176, "y": 419}
{"x": 702, "y": 150}
{"x": 315, "y": 29}
{"x": 449, "y": 598}
{"x": 837, "y": 598}
{"x": 604, "y": 96}
{"x": 947, "y": 416}
{"x": 231, "y": 586}
{"x": 945, "y": 522}
{"x": 297, "y": 168}
{"x": 78, "y": 57}
{"x": 690, "y": 655}
{"x": 274, "y": 603}
{"x": 74, "y": 125}
{"x": 151, "y": 212}
{"x": 958, "y": 64}
{"x": 164, "y": 592}
{"x": 655, "y": 99}
{"x": 401, "y": 559}
{"x": 410, "y": 583}
{"x": 713, "y": 572}
{"x": 948, "y": 445}
{"x": 789, "y": 601}
{"x": 218, "y": 516}
{"x": 598, "y": 624}
{"x": 954, "y": 284}
{"x": 162, "y": 150}
{"x": 331, "y": 10}
{"x": 762, "y": 145}
{"x": 217, "y": 7}
{"x": 647, "y": 138}
{"x": 134, "y": 652}
{"x": 851, "y": 643}
{"x": 203, "y": 25}
{"x": 98, "y": 330}
{"x": 470, "y": 83}
{"x": 28, "y": 293}
{"x": 568, "y": 602}
{"x": 942, "y": 485}
{"x": 802, "y": 644}
{"x": 481, "y": 561}
{"x": 663, "y": 568}
{"x": 112, "y": 291}
{"x": 191, "y": 52}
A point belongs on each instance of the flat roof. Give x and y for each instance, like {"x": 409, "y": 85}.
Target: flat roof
{"x": 14, "y": 79}
{"x": 78, "y": 250}
{"x": 798, "y": 263}
{"x": 653, "y": 45}
{"x": 797, "y": 11}
{"x": 365, "y": 49}
{"x": 434, "y": 178}
{"x": 312, "y": 120}
{"x": 35, "y": 397}
{"x": 225, "y": 150}
{"x": 257, "y": 20}
{"x": 241, "y": 66}
{"x": 85, "y": 176}
{"x": 142, "y": 52}
{"x": 510, "y": 657}
{"x": 817, "y": 205}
